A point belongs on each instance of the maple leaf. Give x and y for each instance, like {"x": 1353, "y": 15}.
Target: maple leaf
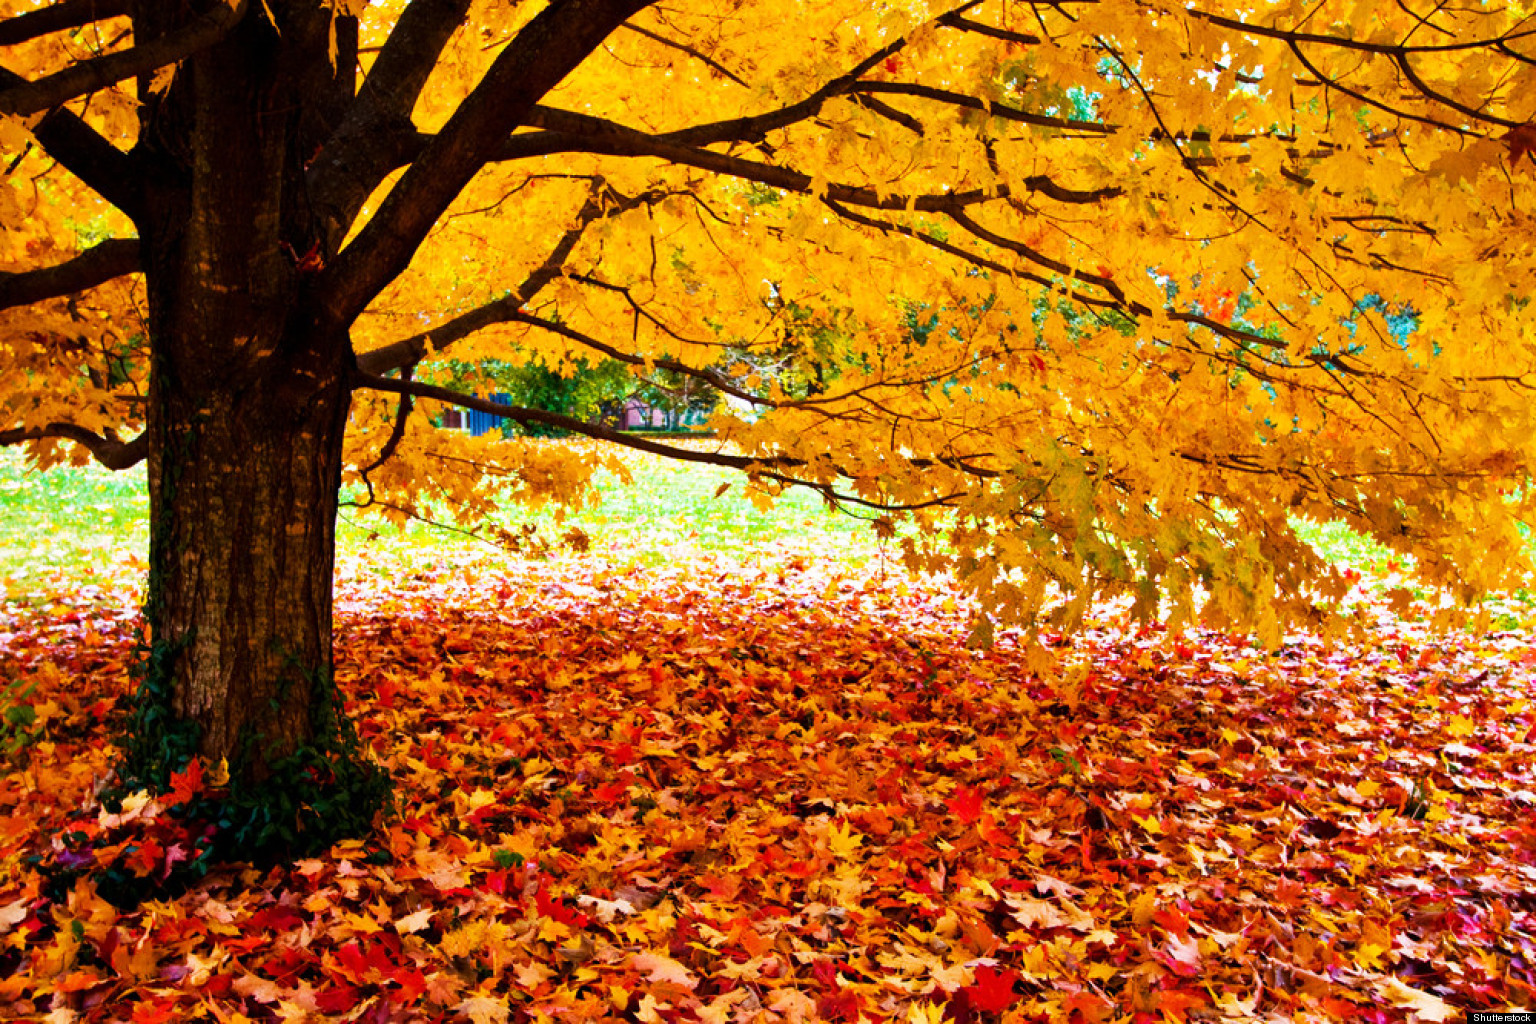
{"x": 965, "y": 804}
{"x": 1424, "y": 1005}
{"x": 188, "y": 783}
{"x": 993, "y": 991}
{"x": 483, "y": 1009}
{"x": 658, "y": 967}
{"x": 1182, "y": 955}
{"x": 842, "y": 840}
{"x": 1521, "y": 142}
{"x": 414, "y": 922}
{"x": 13, "y": 913}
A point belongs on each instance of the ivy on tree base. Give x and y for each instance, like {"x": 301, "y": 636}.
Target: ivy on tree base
{"x": 325, "y": 791}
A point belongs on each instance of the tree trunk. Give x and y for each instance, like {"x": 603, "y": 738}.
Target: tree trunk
{"x": 250, "y": 390}
{"x": 244, "y": 489}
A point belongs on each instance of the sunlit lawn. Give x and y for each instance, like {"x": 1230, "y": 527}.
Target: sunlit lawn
{"x": 87, "y": 524}
{"x": 68, "y": 529}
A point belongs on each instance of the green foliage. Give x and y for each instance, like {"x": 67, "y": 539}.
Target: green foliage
{"x": 589, "y": 392}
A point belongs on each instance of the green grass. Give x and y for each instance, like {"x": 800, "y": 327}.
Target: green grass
{"x": 78, "y": 524}
{"x": 1343, "y": 546}
{"x": 73, "y": 527}
{"x": 86, "y": 524}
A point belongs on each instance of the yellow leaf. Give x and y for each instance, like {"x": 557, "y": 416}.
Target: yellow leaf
{"x": 1368, "y": 955}
{"x": 1461, "y": 726}
{"x": 361, "y": 924}
{"x": 1423, "y": 1004}
{"x": 410, "y": 924}
{"x": 843, "y": 841}
{"x": 925, "y": 1013}
{"x": 650, "y": 1009}
{"x": 484, "y": 1009}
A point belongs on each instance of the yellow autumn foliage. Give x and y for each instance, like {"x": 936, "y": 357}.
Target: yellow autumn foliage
{"x": 1097, "y": 297}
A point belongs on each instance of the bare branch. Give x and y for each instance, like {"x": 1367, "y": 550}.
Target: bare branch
{"x": 954, "y": 20}
{"x": 1365, "y": 46}
{"x": 770, "y": 468}
{"x": 96, "y": 265}
{"x": 755, "y": 127}
{"x": 890, "y": 113}
{"x": 1000, "y": 110}
{"x": 1447, "y": 101}
{"x": 57, "y": 18}
{"x": 101, "y": 72}
{"x": 711, "y": 377}
{"x": 107, "y": 450}
{"x": 402, "y": 415}
{"x": 585, "y": 134}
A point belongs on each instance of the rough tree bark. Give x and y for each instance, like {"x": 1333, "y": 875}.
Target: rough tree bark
{"x": 249, "y": 395}
{"x": 250, "y": 168}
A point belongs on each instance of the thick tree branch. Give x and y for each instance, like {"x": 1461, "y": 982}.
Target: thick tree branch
{"x": 524, "y": 416}
{"x": 96, "y": 265}
{"x": 770, "y": 468}
{"x": 57, "y": 18}
{"x": 999, "y": 110}
{"x": 548, "y": 48}
{"x": 101, "y": 72}
{"x": 377, "y": 135}
{"x": 85, "y": 154}
{"x": 108, "y": 450}
{"x": 572, "y": 132}
{"x": 955, "y": 21}
{"x": 890, "y": 113}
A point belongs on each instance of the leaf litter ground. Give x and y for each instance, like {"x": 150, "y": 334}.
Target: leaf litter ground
{"x": 771, "y": 792}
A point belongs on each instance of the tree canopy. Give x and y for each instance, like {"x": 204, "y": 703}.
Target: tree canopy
{"x": 1098, "y": 295}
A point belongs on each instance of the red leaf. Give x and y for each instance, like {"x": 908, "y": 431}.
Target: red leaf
{"x": 966, "y": 804}
{"x": 1171, "y": 919}
{"x": 156, "y": 1013}
{"x": 188, "y": 783}
{"x": 993, "y": 991}
{"x": 338, "y": 999}
{"x": 1521, "y": 142}
{"x": 844, "y": 1006}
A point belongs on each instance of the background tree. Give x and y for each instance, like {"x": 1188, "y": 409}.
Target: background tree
{"x": 1159, "y": 247}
